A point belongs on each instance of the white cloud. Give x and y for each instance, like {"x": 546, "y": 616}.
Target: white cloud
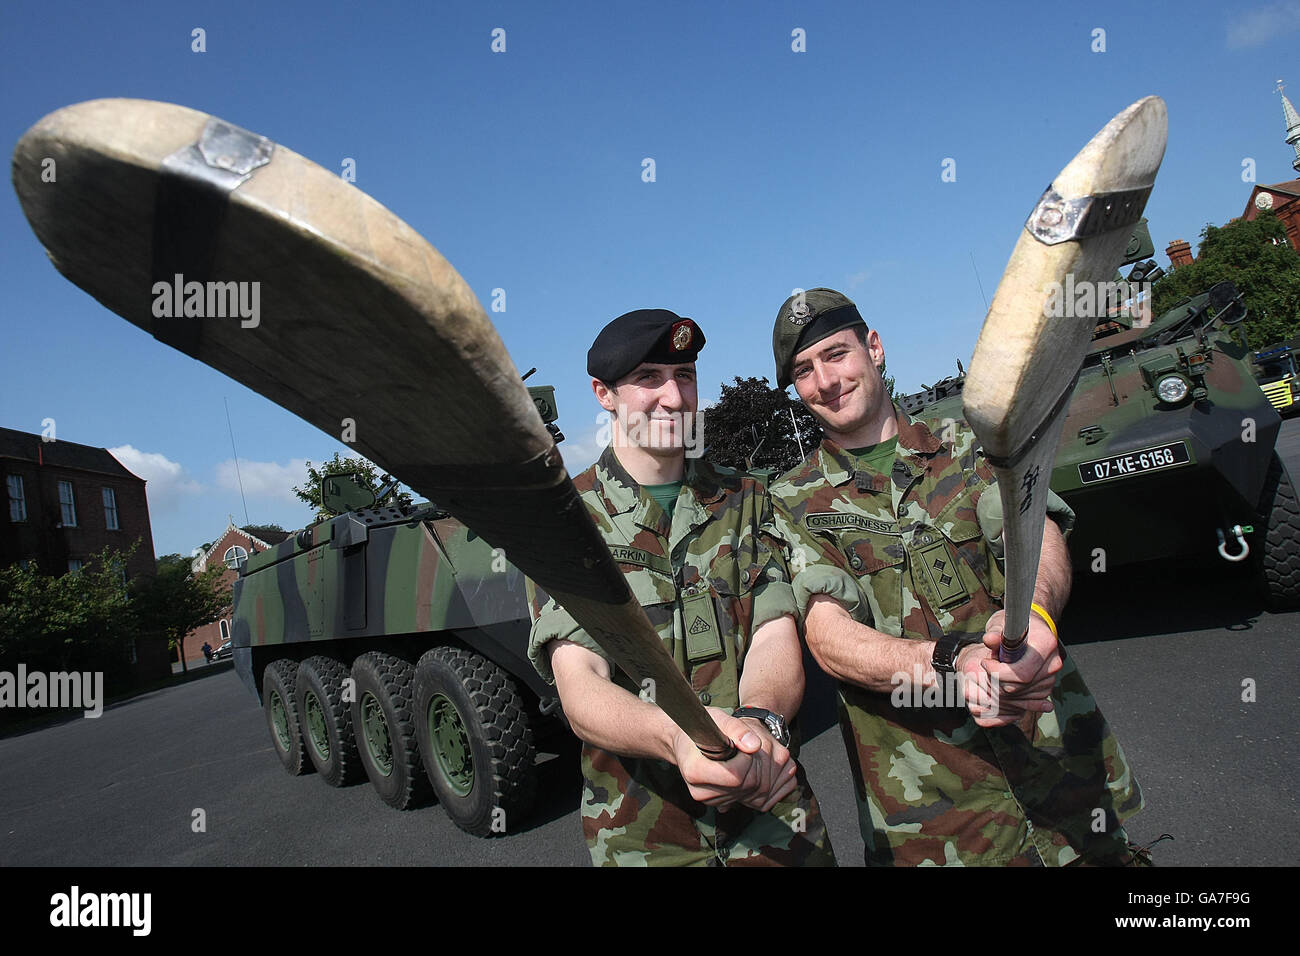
{"x": 167, "y": 482}
{"x": 859, "y": 278}
{"x": 263, "y": 479}
{"x": 1264, "y": 24}
{"x": 581, "y": 450}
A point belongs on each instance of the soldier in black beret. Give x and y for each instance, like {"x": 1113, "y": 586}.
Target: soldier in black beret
{"x": 695, "y": 544}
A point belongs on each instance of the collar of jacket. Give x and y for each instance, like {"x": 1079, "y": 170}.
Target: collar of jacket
{"x": 619, "y": 492}
{"x": 916, "y": 443}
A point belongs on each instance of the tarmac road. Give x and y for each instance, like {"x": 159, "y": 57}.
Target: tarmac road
{"x": 1169, "y": 652}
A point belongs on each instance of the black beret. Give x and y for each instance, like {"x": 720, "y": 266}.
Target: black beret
{"x": 804, "y": 320}
{"x": 646, "y": 335}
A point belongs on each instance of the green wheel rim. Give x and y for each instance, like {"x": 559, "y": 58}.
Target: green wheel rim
{"x": 280, "y": 721}
{"x": 451, "y": 745}
{"x": 378, "y": 743}
{"x": 314, "y": 715}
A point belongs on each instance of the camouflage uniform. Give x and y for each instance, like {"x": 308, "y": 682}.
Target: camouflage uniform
{"x": 637, "y": 811}
{"x": 905, "y": 553}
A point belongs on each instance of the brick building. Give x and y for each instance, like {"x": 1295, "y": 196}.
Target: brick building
{"x": 232, "y": 548}
{"x": 66, "y": 502}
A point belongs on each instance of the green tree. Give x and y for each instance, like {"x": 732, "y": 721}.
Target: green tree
{"x": 751, "y": 427}
{"x": 78, "y": 620}
{"x": 174, "y": 601}
{"x": 370, "y": 476}
{"x": 1254, "y": 256}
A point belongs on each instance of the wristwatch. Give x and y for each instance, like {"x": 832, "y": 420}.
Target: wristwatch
{"x": 774, "y": 723}
{"x": 944, "y": 658}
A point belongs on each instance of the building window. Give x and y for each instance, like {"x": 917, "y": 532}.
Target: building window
{"x": 235, "y": 557}
{"x": 75, "y": 564}
{"x": 225, "y": 630}
{"x": 17, "y": 499}
{"x": 110, "y": 509}
{"x": 67, "y": 504}
{"x": 131, "y": 657}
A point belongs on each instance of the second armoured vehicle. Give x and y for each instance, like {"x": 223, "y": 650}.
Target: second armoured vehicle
{"x": 1278, "y": 376}
{"x": 390, "y": 642}
{"x": 1168, "y": 445}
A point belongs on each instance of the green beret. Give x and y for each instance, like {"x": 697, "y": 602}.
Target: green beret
{"x": 804, "y": 320}
{"x": 646, "y": 335}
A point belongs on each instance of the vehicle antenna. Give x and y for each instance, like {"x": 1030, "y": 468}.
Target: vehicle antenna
{"x": 977, "y": 282}
{"x": 236, "y": 454}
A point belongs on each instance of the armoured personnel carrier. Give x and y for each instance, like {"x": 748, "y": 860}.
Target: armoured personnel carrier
{"x": 390, "y": 642}
{"x": 1168, "y": 445}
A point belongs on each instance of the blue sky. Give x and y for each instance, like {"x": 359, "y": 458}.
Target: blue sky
{"x": 773, "y": 169}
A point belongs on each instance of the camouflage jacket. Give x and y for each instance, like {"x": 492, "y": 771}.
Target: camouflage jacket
{"x": 706, "y": 581}
{"x": 905, "y": 553}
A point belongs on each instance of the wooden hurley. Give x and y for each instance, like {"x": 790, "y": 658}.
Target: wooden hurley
{"x": 1032, "y": 346}
{"x": 357, "y": 318}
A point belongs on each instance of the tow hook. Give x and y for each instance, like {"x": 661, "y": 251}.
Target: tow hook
{"x": 1240, "y": 532}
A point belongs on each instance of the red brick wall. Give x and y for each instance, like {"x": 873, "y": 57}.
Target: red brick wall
{"x": 40, "y": 537}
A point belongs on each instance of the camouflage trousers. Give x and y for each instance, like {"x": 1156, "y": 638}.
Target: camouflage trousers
{"x": 639, "y": 813}
{"x": 935, "y": 789}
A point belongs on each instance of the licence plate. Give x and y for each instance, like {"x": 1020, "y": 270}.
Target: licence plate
{"x": 1134, "y": 462}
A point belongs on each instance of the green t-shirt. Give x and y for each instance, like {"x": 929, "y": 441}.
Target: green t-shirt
{"x": 666, "y": 495}
{"x": 877, "y": 457}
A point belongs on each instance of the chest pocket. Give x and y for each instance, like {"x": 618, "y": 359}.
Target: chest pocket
{"x": 950, "y": 560}
{"x": 650, "y": 578}
{"x": 869, "y": 545}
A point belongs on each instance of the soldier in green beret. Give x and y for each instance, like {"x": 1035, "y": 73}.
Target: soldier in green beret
{"x": 895, "y": 547}
{"x": 695, "y": 543}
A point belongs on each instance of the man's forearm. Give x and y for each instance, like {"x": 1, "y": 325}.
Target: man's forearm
{"x": 773, "y": 677}
{"x": 1052, "y": 585}
{"x": 606, "y": 715}
{"x": 859, "y": 654}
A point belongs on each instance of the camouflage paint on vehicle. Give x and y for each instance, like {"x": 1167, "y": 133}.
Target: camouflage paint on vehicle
{"x": 380, "y": 573}
{"x": 1150, "y": 478}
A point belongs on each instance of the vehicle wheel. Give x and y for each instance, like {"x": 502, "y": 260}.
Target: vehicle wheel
{"x": 384, "y": 729}
{"x": 282, "y": 715}
{"x": 1279, "y": 559}
{"x": 327, "y": 720}
{"x": 476, "y": 740}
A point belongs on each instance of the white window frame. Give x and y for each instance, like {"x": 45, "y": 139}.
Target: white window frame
{"x": 17, "y": 502}
{"x": 68, "y": 508}
{"x": 110, "y": 510}
{"x": 240, "y": 556}
{"x": 225, "y": 630}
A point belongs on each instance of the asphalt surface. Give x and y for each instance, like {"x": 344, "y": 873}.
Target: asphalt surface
{"x": 187, "y": 775}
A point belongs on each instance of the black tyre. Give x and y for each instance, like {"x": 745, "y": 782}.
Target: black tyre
{"x": 326, "y": 720}
{"x": 476, "y": 740}
{"x": 384, "y": 730}
{"x": 1279, "y": 558}
{"x": 281, "y": 711}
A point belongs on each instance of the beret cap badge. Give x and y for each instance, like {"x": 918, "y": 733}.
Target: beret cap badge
{"x": 800, "y": 313}
{"x": 682, "y": 336}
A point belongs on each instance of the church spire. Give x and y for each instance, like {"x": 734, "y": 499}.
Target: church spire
{"x": 1292, "y": 127}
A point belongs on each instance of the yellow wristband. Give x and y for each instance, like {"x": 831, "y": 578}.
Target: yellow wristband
{"x": 1038, "y": 609}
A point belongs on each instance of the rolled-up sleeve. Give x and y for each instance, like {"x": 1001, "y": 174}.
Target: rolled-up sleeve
{"x": 552, "y": 623}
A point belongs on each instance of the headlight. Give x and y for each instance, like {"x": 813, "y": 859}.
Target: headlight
{"x": 1172, "y": 389}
